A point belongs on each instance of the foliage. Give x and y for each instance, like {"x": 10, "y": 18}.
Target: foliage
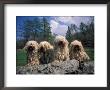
{"x": 36, "y": 29}
{"x": 20, "y": 43}
{"x": 72, "y": 29}
{"x": 83, "y": 33}
{"x": 47, "y": 35}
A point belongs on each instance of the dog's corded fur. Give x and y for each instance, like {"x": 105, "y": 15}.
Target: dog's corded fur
{"x": 45, "y": 52}
{"x": 77, "y": 51}
{"x": 61, "y": 50}
{"x": 31, "y": 48}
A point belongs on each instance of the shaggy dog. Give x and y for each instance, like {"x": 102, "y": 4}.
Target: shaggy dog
{"x": 31, "y": 48}
{"x": 77, "y": 51}
{"x": 45, "y": 52}
{"x": 61, "y": 50}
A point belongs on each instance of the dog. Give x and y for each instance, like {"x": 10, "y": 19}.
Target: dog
{"x": 45, "y": 52}
{"x": 61, "y": 50}
{"x": 31, "y": 48}
{"x": 77, "y": 51}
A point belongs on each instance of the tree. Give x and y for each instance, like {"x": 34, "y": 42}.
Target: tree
{"x": 83, "y": 33}
{"x": 31, "y": 29}
{"x": 86, "y": 34}
{"x": 36, "y": 28}
{"x": 90, "y": 34}
{"x": 27, "y": 29}
{"x": 47, "y": 35}
{"x": 69, "y": 35}
{"x": 72, "y": 29}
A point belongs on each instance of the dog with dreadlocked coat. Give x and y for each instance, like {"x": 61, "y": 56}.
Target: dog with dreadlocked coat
{"x": 31, "y": 48}
{"x": 77, "y": 51}
{"x": 61, "y": 50}
{"x": 45, "y": 52}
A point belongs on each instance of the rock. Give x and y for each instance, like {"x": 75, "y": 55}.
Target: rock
{"x": 88, "y": 67}
{"x": 65, "y": 67}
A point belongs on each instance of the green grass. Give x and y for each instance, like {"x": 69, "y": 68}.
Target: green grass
{"x": 90, "y": 52}
{"x": 21, "y": 58}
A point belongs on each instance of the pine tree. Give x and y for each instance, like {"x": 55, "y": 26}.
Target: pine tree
{"x": 36, "y": 28}
{"x": 69, "y": 35}
{"x": 47, "y": 30}
{"x": 27, "y": 29}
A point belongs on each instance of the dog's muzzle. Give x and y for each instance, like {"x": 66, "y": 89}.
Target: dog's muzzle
{"x": 76, "y": 48}
{"x": 31, "y": 48}
{"x": 61, "y": 43}
{"x": 42, "y": 49}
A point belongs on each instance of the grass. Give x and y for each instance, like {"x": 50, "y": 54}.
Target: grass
{"x": 21, "y": 58}
{"x": 90, "y": 52}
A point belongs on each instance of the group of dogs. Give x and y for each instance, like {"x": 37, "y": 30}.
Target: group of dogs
{"x": 44, "y": 52}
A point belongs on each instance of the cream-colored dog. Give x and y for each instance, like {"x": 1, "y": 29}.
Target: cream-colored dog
{"x": 61, "y": 50}
{"x": 31, "y": 48}
{"x": 77, "y": 51}
{"x": 45, "y": 52}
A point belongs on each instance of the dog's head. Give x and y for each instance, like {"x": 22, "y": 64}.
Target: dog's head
{"x": 31, "y": 46}
{"x": 60, "y": 41}
{"x": 44, "y": 46}
{"x": 76, "y": 46}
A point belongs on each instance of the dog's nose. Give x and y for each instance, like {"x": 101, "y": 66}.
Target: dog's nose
{"x": 41, "y": 49}
{"x": 61, "y": 43}
{"x": 76, "y": 48}
{"x": 31, "y": 48}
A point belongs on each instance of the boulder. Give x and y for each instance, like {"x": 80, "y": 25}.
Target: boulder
{"x": 65, "y": 67}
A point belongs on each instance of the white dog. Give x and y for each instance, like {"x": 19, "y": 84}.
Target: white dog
{"x": 61, "y": 51}
{"x": 31, "y": 48}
